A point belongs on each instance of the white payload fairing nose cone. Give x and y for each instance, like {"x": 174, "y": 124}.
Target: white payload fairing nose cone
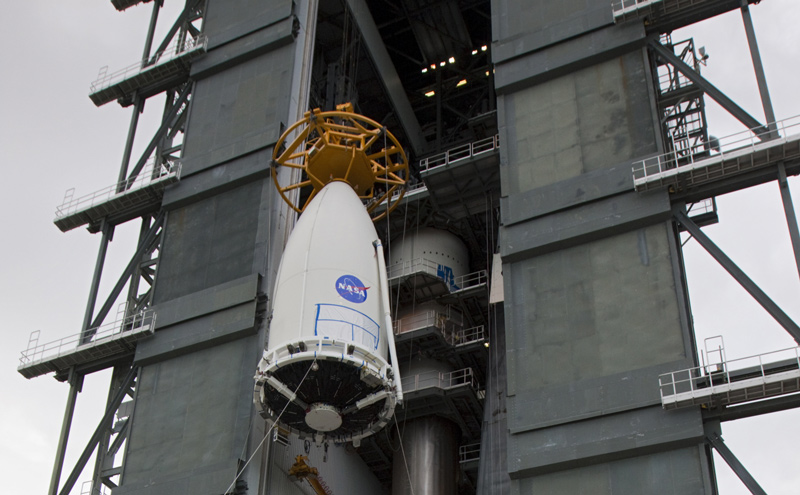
{"x": 325, "y": 370}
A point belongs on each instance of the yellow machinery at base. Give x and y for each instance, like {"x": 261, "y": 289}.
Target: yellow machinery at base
{"x": 302, "y": 471}
{"x": 341, "y": 146}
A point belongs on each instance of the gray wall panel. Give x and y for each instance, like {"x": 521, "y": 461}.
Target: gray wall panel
{"x": 520, "y": 26}
{"x": 586, "y": 222}
{"x": 238, "y": 111}
{"x": 244, "y": 48}
{"x": 232, "y": 19}
{"x": 674, "y": 472}
{"x": 207, "y": 301}
{"x": 606, "y": 438}
{"x": 593, "y": 119}
{"x": 179, "y": 438}
{"x": 199, "y": 333}
{"x": 209, "y": 242}
{"x": 593, "y": 310}
{"x": 571, "y": 55}
{"x": 219, "y": 179}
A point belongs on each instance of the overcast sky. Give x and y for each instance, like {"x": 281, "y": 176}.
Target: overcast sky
{"x": 53, "y": 138}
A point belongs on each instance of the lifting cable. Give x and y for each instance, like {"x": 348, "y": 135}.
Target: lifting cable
{"x": 266, "y": 434}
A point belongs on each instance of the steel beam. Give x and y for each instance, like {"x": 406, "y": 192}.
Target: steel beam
{"x": 388, "y": 74}
{"x": 791, "y": 216}
{"x": 113, "y": 405}
{"x": 761, "y": 79}
{"x": 751, "y": 287}
{"x": 108, "y": 233}
{"x": 75, "y": 385}
{"x": 745, "y": 118}
{"x": 716, "y": 441}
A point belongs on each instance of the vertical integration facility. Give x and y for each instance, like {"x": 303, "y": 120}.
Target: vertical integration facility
{"x": 557, "y": 151}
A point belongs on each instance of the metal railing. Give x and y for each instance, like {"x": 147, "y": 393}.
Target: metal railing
{"x": 718, "y": 149}
{"x": 701, "y": 378}
{"x": 422, "y": 265}
{"x": 36, "y": 353}
{"x": 623, "y": 7}
{"x": 470, "y": 452}
{"x": 436, "y": 379}
{"x": 176, "y": 48}
{"x": 426, "y": 319}
{"x": 147, "y": 176}
{"x": 86, "y": 489}
{"x": 468, "y": 336}
{"x": 460, "y": 153}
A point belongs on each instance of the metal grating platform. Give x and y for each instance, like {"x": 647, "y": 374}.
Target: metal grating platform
{"x": 667, "y": 15}
{"x": 142, "y": 194}
{"x": 733, "y": 382}
{"x": 112, "y": 339}
{"x": 451, "y": 395}
{"x": 738, "y": 153}
{"x": 459, "y": 176}
{"x": 170, "y": 69}
{"x": 425, "y": 278}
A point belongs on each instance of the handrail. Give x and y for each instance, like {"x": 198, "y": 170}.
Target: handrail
{"x": 469, "y": 452}
{"x": 649, "y": 167}
{"x": 422, "y": 265}
{"x": 703, "y": 377}
{"x": 436, "y": 379}
{"x": 50, "y": 350}
{"x": 146, "y": 177}
{"x": 460, "y": 153}
{"x": 176, "y": 48}
{"x": 622, "y": 7}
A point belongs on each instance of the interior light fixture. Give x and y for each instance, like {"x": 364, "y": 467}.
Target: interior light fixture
{"x": 424, "y": 70}
{"x": 484, "y": 48}
{"x": 461, "y": 83}
{"x": 430, "y": 93}
{"x": 452, "y": 60}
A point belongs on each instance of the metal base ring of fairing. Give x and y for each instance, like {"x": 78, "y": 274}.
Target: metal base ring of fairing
{"x": 325, "y": 389}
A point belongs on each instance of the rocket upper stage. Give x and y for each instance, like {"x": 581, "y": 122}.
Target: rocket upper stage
{"x": 325, "y": 370}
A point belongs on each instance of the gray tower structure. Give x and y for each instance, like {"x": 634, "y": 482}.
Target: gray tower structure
{"x": 563, "y": 143}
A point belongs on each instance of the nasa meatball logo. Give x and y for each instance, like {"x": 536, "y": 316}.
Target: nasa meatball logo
{"x": 351, "y": 288}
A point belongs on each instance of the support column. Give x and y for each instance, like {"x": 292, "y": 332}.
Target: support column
{"x": 75, "y": 385}
{"x": 788, "y": 210}
{"x": 108, "y": 234}
{"x": 766, "y": 102}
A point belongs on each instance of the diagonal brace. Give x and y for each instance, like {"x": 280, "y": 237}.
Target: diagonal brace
{"x": 105, "y": 422}
{"x": 144, "y": 245}
{"x": 746, "y": 282}
{"x": 160, "y": 133}
{"x": 716, "y": 441}
{"x": 761, "y": 131}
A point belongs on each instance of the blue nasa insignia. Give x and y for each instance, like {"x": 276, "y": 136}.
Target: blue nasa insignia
{"x": 351, "y": 288}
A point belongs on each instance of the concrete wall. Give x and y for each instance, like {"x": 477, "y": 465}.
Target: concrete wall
{"x": 594, "y": 303}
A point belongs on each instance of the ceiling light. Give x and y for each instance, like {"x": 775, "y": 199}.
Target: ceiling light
{"x": 424, "y": 70}
{"x": 487, "y": 73}
{"x": 461, "y": 83}
{"x": 484, "y": 48}
{"x": 452, "y": 60}
{"x": 430, "y": 93}
{"x": 433, "y": 66}
{"x": 442, "y": 64}
{"x": 474, "y": 52}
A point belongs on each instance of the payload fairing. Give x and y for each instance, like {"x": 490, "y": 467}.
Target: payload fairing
{"x": 325, "y": 373}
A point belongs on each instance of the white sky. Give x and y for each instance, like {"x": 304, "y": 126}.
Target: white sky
{"x": 53, "y": 138}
